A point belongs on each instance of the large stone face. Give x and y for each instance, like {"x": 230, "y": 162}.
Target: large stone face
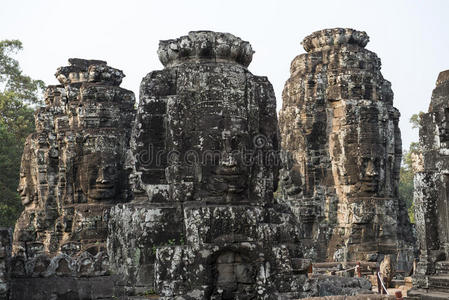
{"x": 72, "y": 172}
{"x": 203, "y": 161}
{"x": 431, "y": 194}
{"x": 343, "y": 150}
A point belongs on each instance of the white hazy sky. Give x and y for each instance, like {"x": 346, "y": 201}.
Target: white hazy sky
{"x": 410, "y": 37}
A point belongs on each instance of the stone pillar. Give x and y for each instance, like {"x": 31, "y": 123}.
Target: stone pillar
{"x": 340, "y": 131}
{"x": 204, "y": 164}
{"x": 5, "y": 258}
{"x": 72, "y": 169}
{"x": 431, "y": 194}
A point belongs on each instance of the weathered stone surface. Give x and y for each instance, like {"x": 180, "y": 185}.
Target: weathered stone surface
{"x": 322, "y": 286}
{"x": 66, "y": 288}
{"x": 72, "y": 172}
{"x": 185, "y": 199}
{"x": 204, "y": 164}
{"x": 5, "y": 265}
{"x": 343, "y": 152}
{"x": 431, "y": 195}
{"x": 358, "y": 297}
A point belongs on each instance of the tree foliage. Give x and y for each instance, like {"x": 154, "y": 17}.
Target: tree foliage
{"x": 406, "y": 187}
{"x": 18, "y": 95}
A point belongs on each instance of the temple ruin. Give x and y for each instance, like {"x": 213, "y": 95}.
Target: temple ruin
{"x": 432, "y": 195}
{"x": 197, "y": 192}
{"x": 340, "y": 133}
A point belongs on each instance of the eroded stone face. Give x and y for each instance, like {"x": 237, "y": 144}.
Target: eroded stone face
{"x": 28, "y": 178}
{"x": 99, "y": 176}
{"x": 72, "y": 167}
{"x": 340, "y": 131}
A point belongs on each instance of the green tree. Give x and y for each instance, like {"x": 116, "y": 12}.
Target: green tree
{"x": 18, "y": 95}
{"x": 406, "y": 176}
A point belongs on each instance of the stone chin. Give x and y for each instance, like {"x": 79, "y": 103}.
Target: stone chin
{"x": 234, "y": 184}
{"x": 228, "y": 179}
{"x": 101, "y": 192}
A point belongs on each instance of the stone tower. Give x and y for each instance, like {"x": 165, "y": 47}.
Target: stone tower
{"x": 343, "y": 150}
{"x": 431, "y": 194}
{"x": 72, "y": 170}
{"x": 204, "y": 162}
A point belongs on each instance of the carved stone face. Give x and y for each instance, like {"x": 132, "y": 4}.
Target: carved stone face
{"x": 99, "y": 174}
{"x": 227, "y": 172}
{"x": 370, "y": 171}
{"x": 27, "y": 188}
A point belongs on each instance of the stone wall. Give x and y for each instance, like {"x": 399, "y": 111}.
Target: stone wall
{"x": 358, "y": 297}
{"x": 5, "y": 257}
{"x": 66, "y": 288}
{"x": 343, "y": 152}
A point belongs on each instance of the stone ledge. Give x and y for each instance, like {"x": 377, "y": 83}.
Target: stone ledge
{"x": 357, "y": 297}
{"x": 84, "y": 70}
{"x": 205, "y": 46}
{"x": 333, "y": 37}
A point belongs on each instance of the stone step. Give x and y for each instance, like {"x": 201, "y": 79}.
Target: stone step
{"x": 426, "y": 295}
{"x": 442, "y": 267}
{"x": 439, "y": 282}
{"x": 357, "y": 297}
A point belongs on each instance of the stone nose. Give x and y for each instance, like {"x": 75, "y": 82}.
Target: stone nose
{"x": 101, "y": 177}
{"x": 371, "y": 170}
{"x": 20, "y": 189}
{"x": 22, "y": 186}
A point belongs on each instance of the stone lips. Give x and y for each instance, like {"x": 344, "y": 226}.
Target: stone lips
{"x": 204, "y": 46}
{"x": 334, "y": 37}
